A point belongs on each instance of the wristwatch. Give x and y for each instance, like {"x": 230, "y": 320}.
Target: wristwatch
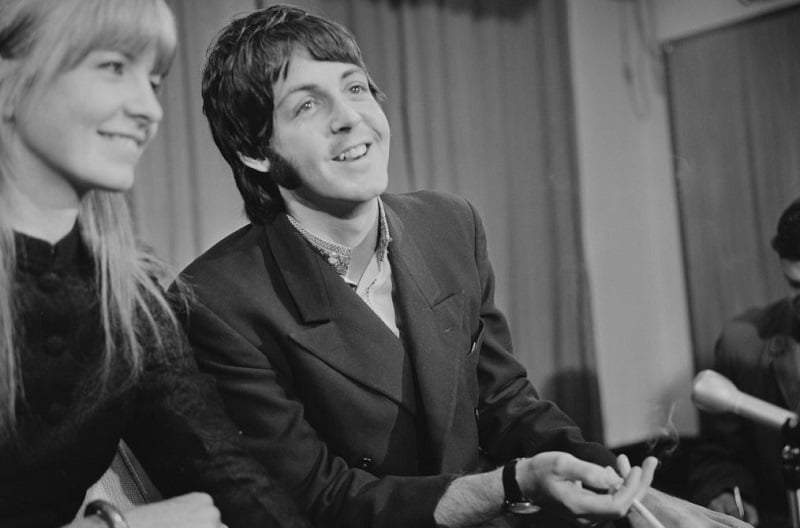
{"x": 107, "y": 512}
{"x": 514, "y": 501}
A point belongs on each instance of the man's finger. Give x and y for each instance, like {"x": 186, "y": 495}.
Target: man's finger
{"x": 623, "y": 465}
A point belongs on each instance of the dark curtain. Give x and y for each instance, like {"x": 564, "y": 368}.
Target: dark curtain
{"x": 479, "y": 100}
{"x": 735, "y": 104}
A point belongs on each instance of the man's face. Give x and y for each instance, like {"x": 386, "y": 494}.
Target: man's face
{"x": 332, "y": 131}
{"x": 791, "y": 272}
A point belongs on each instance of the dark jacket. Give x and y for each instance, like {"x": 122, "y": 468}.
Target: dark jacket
{"x": 759, "y": 352}
{"x": 368, "y": 429}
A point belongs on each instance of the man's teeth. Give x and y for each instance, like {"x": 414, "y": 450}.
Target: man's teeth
{"x": 353, "y": 153}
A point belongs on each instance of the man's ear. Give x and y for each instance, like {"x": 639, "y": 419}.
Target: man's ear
{"x": 260, "y": 165}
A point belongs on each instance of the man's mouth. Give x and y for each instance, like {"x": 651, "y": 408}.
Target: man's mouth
{"x": 353, "y": 153}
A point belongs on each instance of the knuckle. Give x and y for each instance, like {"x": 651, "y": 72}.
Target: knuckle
{"x": 560, "y": 463}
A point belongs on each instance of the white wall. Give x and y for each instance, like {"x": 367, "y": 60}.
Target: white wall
{"x": 630, "y": 223}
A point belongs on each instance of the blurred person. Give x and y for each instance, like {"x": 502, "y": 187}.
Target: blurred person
{"x": 353, "y": 333}
{"x": 759, "y": 352}
{"x": 90, "y": 352}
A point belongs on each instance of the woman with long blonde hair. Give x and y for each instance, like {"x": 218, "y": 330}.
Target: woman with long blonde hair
{"x": 89, "y": 350}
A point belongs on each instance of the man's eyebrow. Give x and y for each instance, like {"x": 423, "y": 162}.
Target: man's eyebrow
{"x": 308, "y": 87}
{"x": 355, "y": 70}
{"x": 312, "y": 87}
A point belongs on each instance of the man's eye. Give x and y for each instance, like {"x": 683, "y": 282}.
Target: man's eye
{"x": 358, "y": 89}
{"x": 305, "y": 106}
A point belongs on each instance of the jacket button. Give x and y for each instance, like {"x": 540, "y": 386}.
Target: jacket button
{"x": 54, "y": 346}
{"x": 50, "y": 282}
{"x": 364, "y": 463}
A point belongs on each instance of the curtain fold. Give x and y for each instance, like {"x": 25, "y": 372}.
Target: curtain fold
{"x": 735, "y": 102}
{"x": 479, "y": 101}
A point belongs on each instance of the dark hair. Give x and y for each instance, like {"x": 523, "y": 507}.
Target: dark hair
{"x": 246, "y": 60}
{"x": 787, "y": 238}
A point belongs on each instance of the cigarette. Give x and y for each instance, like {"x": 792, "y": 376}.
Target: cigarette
{"x": 647, "y": 514}
{"x": 737, "y": 498}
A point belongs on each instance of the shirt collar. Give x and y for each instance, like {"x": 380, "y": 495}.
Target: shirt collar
{"x": 338, "y": 255}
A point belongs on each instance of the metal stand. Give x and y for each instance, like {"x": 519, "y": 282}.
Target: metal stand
{"x": 790, "y": 457}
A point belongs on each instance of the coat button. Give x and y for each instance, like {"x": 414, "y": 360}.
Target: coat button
{"x": 54, "y": 346}
{"x": 50, "y": 282}
{"x": 363, "y": 463}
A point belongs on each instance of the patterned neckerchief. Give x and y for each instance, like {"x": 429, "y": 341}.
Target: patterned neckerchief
{"x": 338, "y": 255}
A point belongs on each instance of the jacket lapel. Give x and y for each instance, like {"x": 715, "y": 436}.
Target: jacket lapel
{"x": 424, "y": 326}
{"x": 335, "y": 325}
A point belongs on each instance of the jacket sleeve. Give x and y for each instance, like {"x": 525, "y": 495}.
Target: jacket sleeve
{"x": 261, "y": 398}
{"x": 513, "y": 421}
{"x": 186, "y": 443}
{"x": 722, "y": 457}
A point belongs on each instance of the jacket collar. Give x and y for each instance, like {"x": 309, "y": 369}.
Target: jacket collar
{"x": 341, "y": 330}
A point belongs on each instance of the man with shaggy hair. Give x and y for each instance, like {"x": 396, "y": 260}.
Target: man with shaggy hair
{"x": 353, "y": 333}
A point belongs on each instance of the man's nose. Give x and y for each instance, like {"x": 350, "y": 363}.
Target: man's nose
{"x": 344, "y": 116}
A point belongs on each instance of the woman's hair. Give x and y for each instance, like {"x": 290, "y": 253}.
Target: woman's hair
{"x": 245, "y": 61}
{"x": 40, "y": 39}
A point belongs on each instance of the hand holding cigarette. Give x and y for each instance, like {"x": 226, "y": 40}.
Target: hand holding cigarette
{"x": 565, "y": 485}
{"x": 624, "y": 466}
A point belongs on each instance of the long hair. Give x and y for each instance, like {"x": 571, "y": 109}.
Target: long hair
{"x": 39, "y": 39}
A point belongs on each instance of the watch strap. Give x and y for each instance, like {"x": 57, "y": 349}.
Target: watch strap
{"x": 107, "y": 512}
{"x": 514, "y": 502}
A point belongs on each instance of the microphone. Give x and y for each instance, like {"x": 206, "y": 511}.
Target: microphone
{"x": 712, "y": 392}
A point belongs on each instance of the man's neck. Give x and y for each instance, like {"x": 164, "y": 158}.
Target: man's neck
{"x": 348, "y": 230}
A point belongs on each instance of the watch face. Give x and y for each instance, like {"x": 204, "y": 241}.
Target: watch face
{"x": 522, "y": 508}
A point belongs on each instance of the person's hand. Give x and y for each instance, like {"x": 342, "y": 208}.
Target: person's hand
{"x": 677, "y": 513}
{"x": 581, "y": 489}
{"x": 194, "y": 510}
{"x": 725, "y": 503}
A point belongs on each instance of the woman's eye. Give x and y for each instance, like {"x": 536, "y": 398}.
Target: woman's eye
{"x": 116, "y": 67}
{"x": 155, "y": 83}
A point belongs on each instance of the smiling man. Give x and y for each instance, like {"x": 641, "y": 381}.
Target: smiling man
{"x": 353, "y": 334}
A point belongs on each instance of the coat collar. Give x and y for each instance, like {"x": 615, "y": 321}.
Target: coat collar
{"x": 429, "y": 316}
{"x": 335, "y": 324}
{"x": 341, "y": 330}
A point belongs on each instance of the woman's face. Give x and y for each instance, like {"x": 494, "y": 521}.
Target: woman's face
{"x": 87, "y": 128}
